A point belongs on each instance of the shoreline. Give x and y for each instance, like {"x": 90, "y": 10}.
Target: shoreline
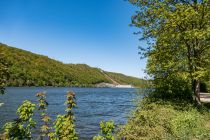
{"x": 99, "y": 85}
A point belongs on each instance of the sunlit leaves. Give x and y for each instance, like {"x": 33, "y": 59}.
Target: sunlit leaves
{"x": 182, "y": 37}
{"x": 64, "y": 124}
{"x": 21, "y": 127}
{"x": 107, "y": 131}
{"x": 42, "y": 107}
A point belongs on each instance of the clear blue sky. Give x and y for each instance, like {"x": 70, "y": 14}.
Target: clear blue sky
{"x": 95, "y": 32}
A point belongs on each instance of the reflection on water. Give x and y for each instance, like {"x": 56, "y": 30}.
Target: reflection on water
{"x": 93, "y": 105}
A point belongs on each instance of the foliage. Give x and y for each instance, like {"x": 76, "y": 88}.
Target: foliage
{"x": 42, "y": 107}
{"x": 21, "y": 127}
{"x": 178, "y": 35}
{"x": 205, "y": 84}
{"x": 155, "y": 118}
{"x": 172, "y": 87}
{"x": 107, "y": 130}
{"x": 29, "y": 69}
{"x": 64, "y": 124}
{"x": 3, "y": 72}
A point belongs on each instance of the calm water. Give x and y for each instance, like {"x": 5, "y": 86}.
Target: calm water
{"x": 93, "y": 105}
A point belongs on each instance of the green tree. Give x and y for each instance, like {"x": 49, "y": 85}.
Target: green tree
{"x": 178, "y": 36}
{"x": 3, "y": 73}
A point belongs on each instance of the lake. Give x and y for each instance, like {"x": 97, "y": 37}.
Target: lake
{"x": 93, "y": 105}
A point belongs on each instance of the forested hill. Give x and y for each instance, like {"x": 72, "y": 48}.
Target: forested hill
{"x": 29, "y": 69}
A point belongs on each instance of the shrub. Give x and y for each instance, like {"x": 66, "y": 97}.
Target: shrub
{"x": 20, "y": 128}
{"x": 64, "y": 124}
{"x": 107, "y": 130}
{"x": 165, "y": 120}
{"x": 42, "y": 107}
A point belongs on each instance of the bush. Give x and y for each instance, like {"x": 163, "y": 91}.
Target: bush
{"x": 107, "y": 130}
{"x": 188, "y": 124}
{"x": 165, "y": 120}
{"x": 21, "y": 127}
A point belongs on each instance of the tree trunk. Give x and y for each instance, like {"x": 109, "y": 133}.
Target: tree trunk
{"x": 197, "y": 91}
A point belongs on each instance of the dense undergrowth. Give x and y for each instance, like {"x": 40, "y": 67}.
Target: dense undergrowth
{"x": 157, "y": 118}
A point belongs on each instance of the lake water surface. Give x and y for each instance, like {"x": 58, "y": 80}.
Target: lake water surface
{"x": 93, "y": 105}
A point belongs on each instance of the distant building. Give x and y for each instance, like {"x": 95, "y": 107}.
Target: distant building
{"x": 105, "y": 85}
{"x": 113, "y": 85}
{"x": 124, "y": 86}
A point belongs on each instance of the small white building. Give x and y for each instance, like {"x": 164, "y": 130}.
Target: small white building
{"x": 124, "y": 86}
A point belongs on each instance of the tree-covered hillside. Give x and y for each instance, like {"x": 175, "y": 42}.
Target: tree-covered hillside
{"x": 29, "y": 69}
{"x": 123, "y": 79}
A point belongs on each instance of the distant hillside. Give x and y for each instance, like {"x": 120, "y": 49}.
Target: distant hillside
{"x": 123, "y": 79}
{"x": 29, "y": 69}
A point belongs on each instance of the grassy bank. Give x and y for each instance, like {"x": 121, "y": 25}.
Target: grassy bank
{"x": 155, "y": 118}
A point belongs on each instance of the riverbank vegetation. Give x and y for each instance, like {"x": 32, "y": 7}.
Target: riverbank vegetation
{"x": 178, "y": 36}
{"x": 23, "y": 127}
{"x": 29, "y": 69}
{"x": 62, "y": 128}
{"x": 107, "y": 131}
{"x": 159, "y": 118}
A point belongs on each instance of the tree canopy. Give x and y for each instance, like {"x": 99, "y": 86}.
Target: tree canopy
{"x": 178, "y": 36}
{"x": 3, "y": 73}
